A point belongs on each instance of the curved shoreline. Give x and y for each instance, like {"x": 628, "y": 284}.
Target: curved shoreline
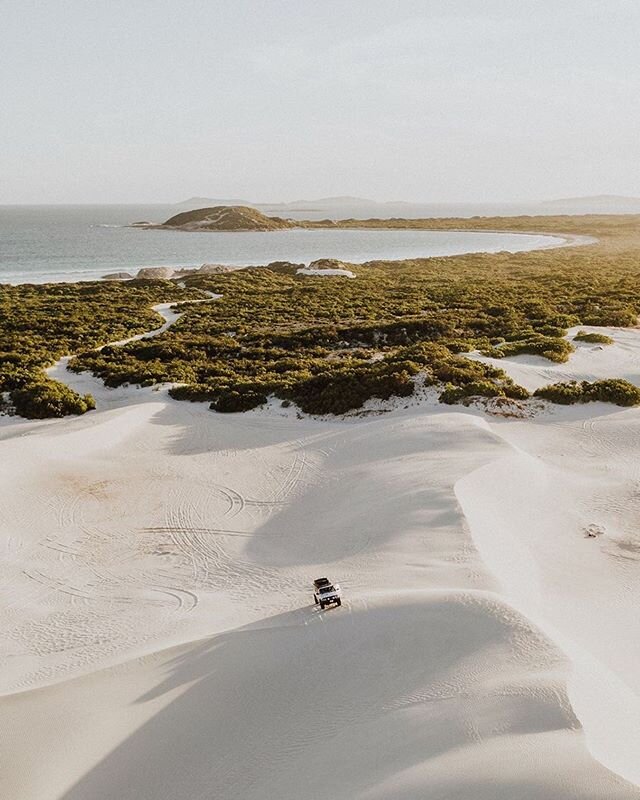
{"x": 561, "y": 240}
{"x": 567, "y": 239}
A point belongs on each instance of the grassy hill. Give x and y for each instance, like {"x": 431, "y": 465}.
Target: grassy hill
{"x": 226, "y": 218}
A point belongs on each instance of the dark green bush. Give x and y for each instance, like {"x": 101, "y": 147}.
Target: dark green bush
{"x": 593, "y": 338}
{"x": 482, "y": 388}
{"x": 614, "y": 390}
{"x": 611, "y": 317}
{"x": 515, "y": 392}
{"x": 452, "y": 394}
{"x": 233, "y": 401}
{"x": 557, "y": 350}
{"x": 342, "y": 392}
{"x": 563, "y": 393}
{"x": 199, "y": 393}
{"x": 46, "y": 398}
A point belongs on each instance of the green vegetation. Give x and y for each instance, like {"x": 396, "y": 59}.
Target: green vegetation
{"x": 330, "y": 344}
{"x": 45, "y": 398}
{"x": 482, "y": 388}
{"x": 553, "y": 349}
{"x": 613, "y": 390}
{"x": 592, "y": 338}
{"x": 40, "y": 324}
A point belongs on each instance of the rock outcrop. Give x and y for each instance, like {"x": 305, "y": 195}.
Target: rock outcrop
{"x": 117, "y": 276}
{"x": 155, "y": 273}
{"x": 328, "y": 263}
{"x": 326, "y": 267}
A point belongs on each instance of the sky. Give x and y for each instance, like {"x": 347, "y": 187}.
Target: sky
{"x": 277, "y": 100}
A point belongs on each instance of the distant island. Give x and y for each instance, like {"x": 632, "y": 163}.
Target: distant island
{"x": 340, "y": 207}
{"x": 225, "y": 218}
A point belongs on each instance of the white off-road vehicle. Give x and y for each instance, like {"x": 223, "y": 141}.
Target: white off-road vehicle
{"x": 325, "y": 593}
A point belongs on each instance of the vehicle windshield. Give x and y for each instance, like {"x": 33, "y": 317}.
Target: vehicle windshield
{"x": 324, "y": 589}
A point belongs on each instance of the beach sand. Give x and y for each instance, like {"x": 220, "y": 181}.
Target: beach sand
{"x": 158, "y": 635}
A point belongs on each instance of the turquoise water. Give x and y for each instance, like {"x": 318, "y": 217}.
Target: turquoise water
{"x": 40, "y": 244}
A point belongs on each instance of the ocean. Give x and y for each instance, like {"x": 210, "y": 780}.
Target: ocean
{"x": 40, "y": 244}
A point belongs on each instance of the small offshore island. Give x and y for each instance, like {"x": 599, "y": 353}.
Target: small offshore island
{"x": 226, "y": 218}
{"x": 220, "y": 218}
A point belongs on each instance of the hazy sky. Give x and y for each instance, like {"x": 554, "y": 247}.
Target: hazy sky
{"x": 425, "y": 100}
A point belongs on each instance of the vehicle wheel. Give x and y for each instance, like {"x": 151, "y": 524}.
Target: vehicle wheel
{"x": 338, "y": 602}
{"x": 321, "y": 606}
{"x": 315, "y": 599}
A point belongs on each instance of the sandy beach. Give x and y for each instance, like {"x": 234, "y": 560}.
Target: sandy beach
{"x": 159, "y": 638}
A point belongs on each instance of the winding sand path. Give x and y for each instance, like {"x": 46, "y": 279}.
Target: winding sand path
{"x": 85, "y": 382}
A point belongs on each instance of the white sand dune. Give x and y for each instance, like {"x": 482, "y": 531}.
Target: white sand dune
{"x": 438, "y": 694}
{"x": 590, "y": 362}
{"x": 158, "y": 640}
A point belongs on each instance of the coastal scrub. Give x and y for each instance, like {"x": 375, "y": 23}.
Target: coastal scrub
{"x": 329, "y": 345}
{"x": 41, "y": 323}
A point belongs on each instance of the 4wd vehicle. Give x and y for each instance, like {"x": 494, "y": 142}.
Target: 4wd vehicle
{"x": 325, "y": 592}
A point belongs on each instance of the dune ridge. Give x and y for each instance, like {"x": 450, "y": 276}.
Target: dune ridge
{"x": 175, "y": 644}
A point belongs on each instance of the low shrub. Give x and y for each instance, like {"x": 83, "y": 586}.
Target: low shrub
{"x": 234, "y": 401}
{"x": 199, "y": 393}
{"x": 452, "y": 394}
{"x": 515, "y": 391}
{"x": 563, "y": 393}
{"x": 482, "y": 388}
{"x": 338, "y": 393}
{"x": 611, "y": 317}
{"x": 46, "y": 398}
{"x": 592, "y": 338}
{"x": 612, "y": 390}
{"x": 557, "y": 350}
